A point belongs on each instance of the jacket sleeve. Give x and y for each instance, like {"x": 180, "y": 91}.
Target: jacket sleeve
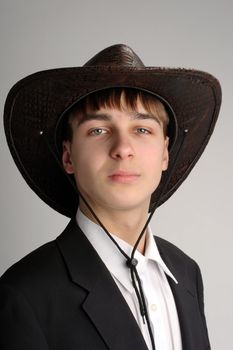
{"x": 19, "y": 328}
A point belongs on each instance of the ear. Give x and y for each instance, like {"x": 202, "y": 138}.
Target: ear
{"x": 66, "y": 158}
{"x": 165, "y": 155}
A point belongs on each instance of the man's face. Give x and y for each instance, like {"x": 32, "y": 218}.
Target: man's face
{"x": 117, "y": 157}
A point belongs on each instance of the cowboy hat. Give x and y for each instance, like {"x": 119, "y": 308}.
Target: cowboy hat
{"x": 36, "y": 107}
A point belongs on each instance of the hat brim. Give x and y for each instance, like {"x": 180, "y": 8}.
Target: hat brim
{"x": 35, "y": 104}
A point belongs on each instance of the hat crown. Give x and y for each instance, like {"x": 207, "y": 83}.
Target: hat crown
{"x": 116, "y": 56}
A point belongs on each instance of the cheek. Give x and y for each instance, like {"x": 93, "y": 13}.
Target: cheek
{"x": 154, "y": 164}
{"x": 87, "y": 163}
{"x": 152, "y": 155}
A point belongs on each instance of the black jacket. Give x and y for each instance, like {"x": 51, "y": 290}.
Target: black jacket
{"x": 62, "y": 297}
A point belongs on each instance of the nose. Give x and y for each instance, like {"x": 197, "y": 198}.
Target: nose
{"x": 121, "y": 148}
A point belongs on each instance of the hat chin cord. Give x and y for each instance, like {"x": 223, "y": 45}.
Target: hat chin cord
{"x": 131, "y": 262}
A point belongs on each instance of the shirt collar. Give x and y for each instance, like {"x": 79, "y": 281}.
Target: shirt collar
{"x": 113, "y": 258}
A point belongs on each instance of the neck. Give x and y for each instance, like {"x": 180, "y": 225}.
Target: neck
{"x": 125, "y": 224}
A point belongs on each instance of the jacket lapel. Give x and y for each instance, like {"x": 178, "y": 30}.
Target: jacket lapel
{"x": 193, "y": 331}
{"x": 104, "y": 304}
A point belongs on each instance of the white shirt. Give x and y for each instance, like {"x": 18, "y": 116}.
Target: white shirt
{"x": 152, "y": 271}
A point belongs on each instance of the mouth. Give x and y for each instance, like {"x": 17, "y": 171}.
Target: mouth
{"x": 124, "y": 177}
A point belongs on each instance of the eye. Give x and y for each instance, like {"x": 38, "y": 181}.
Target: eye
{"x": 143, "y": 131}
{"x": 98, "y": 131}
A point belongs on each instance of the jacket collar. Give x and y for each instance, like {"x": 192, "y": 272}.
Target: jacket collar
{"x": 113, "y": 258}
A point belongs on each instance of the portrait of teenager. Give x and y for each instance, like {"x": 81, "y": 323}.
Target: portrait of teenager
{"x": 106, "y": 144}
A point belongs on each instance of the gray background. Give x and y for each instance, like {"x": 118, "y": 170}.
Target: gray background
{"x": 37, "y": 35}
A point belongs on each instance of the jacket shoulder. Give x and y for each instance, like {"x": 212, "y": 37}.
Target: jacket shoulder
{"x": 182, "y": 265}
{"x": 166, "y": 247}
{"x": 34, "y": 269}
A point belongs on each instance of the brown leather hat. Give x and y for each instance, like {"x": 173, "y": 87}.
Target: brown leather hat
{"x": 37, "y": 104}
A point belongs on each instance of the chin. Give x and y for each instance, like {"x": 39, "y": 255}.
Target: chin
{"x": 127, "y": 203}
{"x": 120, "y": 199}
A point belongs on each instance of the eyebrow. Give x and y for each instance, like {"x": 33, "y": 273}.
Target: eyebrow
{"x": 141, "y": 116}
{"x": 107, "y": 117}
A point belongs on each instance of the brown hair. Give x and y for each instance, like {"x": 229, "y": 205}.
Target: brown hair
{"x": 123, "y": 99}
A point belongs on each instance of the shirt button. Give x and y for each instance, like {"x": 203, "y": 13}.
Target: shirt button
{"x": 153, "y": 307}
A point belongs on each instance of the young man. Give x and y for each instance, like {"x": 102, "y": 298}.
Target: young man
{"x": 105, "y": 144}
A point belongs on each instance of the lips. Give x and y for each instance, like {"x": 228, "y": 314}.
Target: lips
{"x": 124, "y": 177}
